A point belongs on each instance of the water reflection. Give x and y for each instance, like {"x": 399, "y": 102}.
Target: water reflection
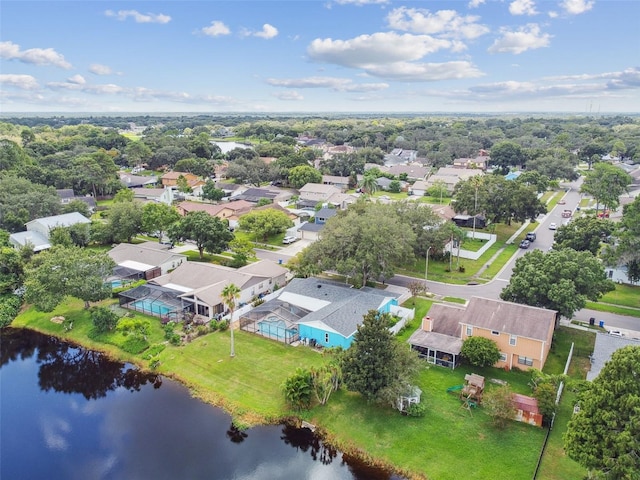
{"x": 83, "y": 416}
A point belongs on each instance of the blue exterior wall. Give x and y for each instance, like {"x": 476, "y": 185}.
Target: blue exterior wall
{"x": 319, "y": 335}
{"x": 386, "y": 308}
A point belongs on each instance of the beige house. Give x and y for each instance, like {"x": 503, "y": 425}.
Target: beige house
{"x": 229, "y": 211}
{"x": 170, "y": 179}
{"x": 145, "y": 260}
{"x": 522, "y": 333}
{"x": 199, "y": 285}
{"x": 451, "y": 176}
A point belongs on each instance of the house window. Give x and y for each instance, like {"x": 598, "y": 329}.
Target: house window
{"x": 525, "y": 361}
{"x": 326, "y": 338}
{"x": 495, "y": 332}
{"x": 469, "y": 330}
{"x": 503, "y": 357}
{"x": 512, "y": 340}
{"x": 270, "y": 281}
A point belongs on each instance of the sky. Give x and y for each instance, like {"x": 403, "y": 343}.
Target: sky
{"x": 330, "y": 56}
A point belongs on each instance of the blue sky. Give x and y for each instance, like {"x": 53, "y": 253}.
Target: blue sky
{"x": 264, "y": 56}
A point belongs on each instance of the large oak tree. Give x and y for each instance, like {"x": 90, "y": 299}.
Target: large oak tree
{"x": 561, "y": 280}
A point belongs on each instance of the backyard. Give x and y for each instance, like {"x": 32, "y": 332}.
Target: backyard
{"x": 248, "y": 386}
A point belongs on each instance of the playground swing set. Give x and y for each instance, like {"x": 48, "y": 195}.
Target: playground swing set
{"x": 470, "y": 392}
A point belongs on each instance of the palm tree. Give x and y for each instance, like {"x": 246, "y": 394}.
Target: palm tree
{"x": 229, "y": 295}
{"x": 369, "y": 184}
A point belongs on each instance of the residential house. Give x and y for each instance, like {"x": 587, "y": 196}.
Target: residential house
{"x": 38, "y": 230}
{"x": 413, "y": 171}
{"x": 419, "y": 188}
{"x": 384, "y": 183}
{"x": 318, "y": 312}
{"x": 604, "y": 348}
{"x": 400, "y": 156}
{"x": 313, "y": 193}
{"x": 160, "y": 195}
{"x": 254, "y": 195}
{"x": 67, "y": 195}
{"x": 294, "y": 217}
{"x": 199, "y": 286}
{"x": 230, "y": 211}
{"x": 480, "y": 162}
{"x": 324, "y": 214}
{"x": 342, "y": 183}
{"x": 523, "y": 333}
{"x": 451, "y": 176}
{"x": 137, "y": 181}
{"x": 231, "y": 189}
{"x": 170, "y": 179}
{"x": 144, "y": 261}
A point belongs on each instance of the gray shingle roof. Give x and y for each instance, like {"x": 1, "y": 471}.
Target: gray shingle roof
{"x": 347, "y": 307}
{"x": 513, "y": 318}
{"x": 604, "y": 347}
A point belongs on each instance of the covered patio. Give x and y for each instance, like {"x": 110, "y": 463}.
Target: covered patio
{"x": 437, "y": 348}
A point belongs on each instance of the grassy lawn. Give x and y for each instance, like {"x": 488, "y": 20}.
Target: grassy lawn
{"x": 623, "y": 295}
{"x": 494, "y": 267}
{"x": 455, "y": 300}
{"x": 583, "y": 346}
{"x": 603, "y": 307}
{"x": 449, "y": 442}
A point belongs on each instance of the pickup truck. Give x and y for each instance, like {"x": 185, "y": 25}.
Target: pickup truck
{"x": 566, "y": 214}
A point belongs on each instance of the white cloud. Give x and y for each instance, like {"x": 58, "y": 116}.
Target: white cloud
{"x": 289, "y": 96}
{"x": 527, "y": 37}
{"x": 576, "y": 7}
{"x": 216, "y": 29}
{"x": 332, "y": 83}
{"x": 447, "y": 23}
{"x": 35, "y": 56}
{"x": 98, "y": 69}
{"x": 425, "y": 72}
{"x": 523, "y": 7}
{"x": 476, "y": 3}
{"x": 361, "y": 2}
{"x": 378, "y": 48}
{"x": 77, "y": 79}
{"x": 23, "y": 82}
{"x": 139, "y": 17}
{"x": 267, "y": 32}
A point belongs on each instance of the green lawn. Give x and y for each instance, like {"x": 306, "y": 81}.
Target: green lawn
{"x": 623, "y": 295}
{"x": 603, "y": 307}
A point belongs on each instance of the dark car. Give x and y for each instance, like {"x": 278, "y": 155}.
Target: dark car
{"x": 531, "y": 236}
{"x": 525, "y": 244}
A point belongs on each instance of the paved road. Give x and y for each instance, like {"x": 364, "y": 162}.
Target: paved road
{"x": 544, "y": 240}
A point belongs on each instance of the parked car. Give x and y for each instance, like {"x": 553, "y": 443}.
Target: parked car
{"x": 616, "y": 333}
{"x": 552, "y": 226}
{"x": 525, "y": 244}
{"x": 289, "y": 239}
{"x": 531, "y": 236}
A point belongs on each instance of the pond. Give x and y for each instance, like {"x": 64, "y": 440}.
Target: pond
{"x": 226, "y": 147}
{"x": 70, "y": 413}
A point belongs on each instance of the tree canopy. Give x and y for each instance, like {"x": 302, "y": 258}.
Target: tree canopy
{"x": 604, "y": 435}
{"x": 264, "y": 223}
{"x": 606, "y": 183}
{"x": 60, "y": 272}
{"x": 561, "y": 280}
{"x": 583, "y": 234}
{"x": 365, "y": 242}
{"x": 209, "y": 233}
{"x": 376, "y": 365}
{"x": 480, "y": 351}
{"x": 158, "y": 217}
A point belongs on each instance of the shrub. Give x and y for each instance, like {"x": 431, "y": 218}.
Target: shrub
{"x": 202, "y": 330}
{"x": 175, "y": 339}
{"x": 417, "y": 410}
{"x": 223, "y": 325}
{"x": 9, "y": 308}
{"x": 135, "y": 344}
{"x": 153, "y": 351}
{"x": 104, "y": 319}
{"x": 480, "y": 351}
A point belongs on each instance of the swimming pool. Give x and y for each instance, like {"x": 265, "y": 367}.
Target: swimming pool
{"x": 154, "y": 307}
{"x": 275, "y": 328}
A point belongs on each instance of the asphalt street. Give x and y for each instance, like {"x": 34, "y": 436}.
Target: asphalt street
{"x": 544, "y": 240}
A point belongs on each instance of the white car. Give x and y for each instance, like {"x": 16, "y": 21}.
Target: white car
{"x": 616, "y": 333}
{"x": 289, "y": 239}
{"x": 552, "y": 226}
